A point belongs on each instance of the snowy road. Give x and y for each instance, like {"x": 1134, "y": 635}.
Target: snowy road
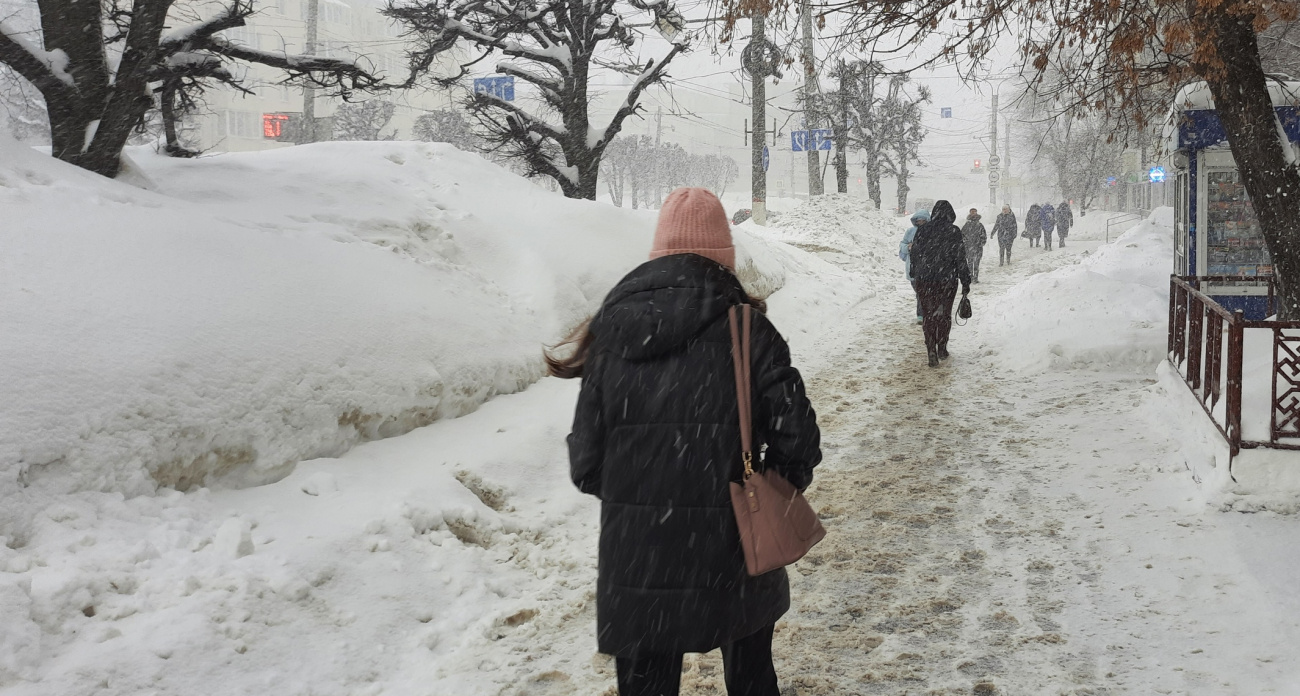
{"x": 991, "y": 534}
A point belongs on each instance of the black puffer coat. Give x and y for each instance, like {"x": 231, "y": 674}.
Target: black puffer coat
{"x": 656, "y": 438}
{"x": 1005, "y": 228}
{"x": 1034, "y": 222}
{"x": 938, "y": 251}
{"x": 1064, "y": 218}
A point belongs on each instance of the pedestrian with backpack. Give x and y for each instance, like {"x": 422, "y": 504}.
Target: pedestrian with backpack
{"x": 919, "y": 218}
{"x": 657, "y": 436}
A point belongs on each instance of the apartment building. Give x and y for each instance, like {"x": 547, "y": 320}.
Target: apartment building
{"x": 233, "y": 121}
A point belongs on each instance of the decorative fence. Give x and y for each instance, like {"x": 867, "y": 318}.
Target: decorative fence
{"x": 1207, "y": 348}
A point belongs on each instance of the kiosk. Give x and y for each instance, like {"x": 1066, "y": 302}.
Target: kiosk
{"x": 1216, "y": 234}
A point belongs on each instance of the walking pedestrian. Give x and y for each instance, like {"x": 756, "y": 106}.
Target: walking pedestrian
{"x": 938, "y": 263}
{"x": 975, "y": 237}
{"x": 1004, "y": 228}
{"x": 1034, "y": 225}
{"x": 656, "y": 437}
{"x": 1049, "y": 222}
{"x": 1064, "y": 221}
{"x": 919, "y": 218}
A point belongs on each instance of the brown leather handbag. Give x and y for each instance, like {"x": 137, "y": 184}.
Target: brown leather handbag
{"x": 777, "y": 525}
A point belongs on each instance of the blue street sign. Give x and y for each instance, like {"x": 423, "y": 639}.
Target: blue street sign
{"x": 767, "y": 159}
{"x": 945, "y": 112}
{"x": 815, "y": 139}
{"x": 1157, "y": 175}
{"x": 502, "y": 87}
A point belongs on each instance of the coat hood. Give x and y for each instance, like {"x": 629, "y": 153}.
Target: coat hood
{"x": 973, "y": 217}
{"x": 943, "y": 212}
{"x": 664, "y": 303}
{"x": 922, "y": 215}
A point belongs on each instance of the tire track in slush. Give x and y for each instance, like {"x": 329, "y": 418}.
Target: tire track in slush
{"x": 938, "y": 573}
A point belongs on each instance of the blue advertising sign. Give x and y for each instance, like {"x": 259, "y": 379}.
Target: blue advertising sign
{"x": 1157, "y": 175}
{"x": 767, "y": 159}
{"x": 502, "y": 87}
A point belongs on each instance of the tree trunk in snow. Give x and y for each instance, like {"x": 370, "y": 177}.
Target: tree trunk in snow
{"x": 873, "y": 177}
{"x": 903, "y": 188}
{"x": 1242, "y": 100}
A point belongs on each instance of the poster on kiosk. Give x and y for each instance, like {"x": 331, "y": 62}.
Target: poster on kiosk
{"x": 1217, "y": 237}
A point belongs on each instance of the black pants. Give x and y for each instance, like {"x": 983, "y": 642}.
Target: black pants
{"x": 746, "y": 664}
{"x": 1047, "y": 239}
{"x": 1004, "y": 251}
{"x": 936, "y": 308}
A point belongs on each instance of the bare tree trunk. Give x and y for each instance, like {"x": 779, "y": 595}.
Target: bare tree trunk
{"x": 873, "y": 176}
{"x": 1242, "y": 100}
{"x": 903, "y": 188}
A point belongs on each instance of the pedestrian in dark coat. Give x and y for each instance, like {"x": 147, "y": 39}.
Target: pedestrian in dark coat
{"x": 1004, "y": 228}
{"x": 1064, "y": 221}
{"x": 1049, "y": 223}
{"x": 975, "y": 236}
{"x": 938, "y": 263}
{"x": 656, "y": 437}
{"x": 1034, "y": 225}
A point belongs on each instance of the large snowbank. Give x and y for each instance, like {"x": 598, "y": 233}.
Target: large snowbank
{"x": 845, "y": 230}
{"x": 259, "y": 301}
{"x": 253, "y": 310}
{"x": 1107, "y": 312}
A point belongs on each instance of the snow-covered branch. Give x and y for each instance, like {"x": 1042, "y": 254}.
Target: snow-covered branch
{"x": 47, "y": 70}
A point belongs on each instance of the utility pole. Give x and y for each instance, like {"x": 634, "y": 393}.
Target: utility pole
{"x": 758, "y": 74}
{"x": 993, "y": 151}
{"x": 815, "y": 186}
{"x": 659, "y": 132}
{"x": 1006, "y": 146}
{"x": 841, "y": 134}
{"x": 308, "y": 134}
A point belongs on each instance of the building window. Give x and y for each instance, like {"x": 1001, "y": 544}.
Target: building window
{"x": 243, "y": 124}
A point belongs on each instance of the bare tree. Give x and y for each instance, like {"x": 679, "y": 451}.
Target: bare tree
{"x": 100, "y": 66}
{"x": 364, "y": 120}
{"x": 447, "y": 126}
{"x": 551, "y": 46}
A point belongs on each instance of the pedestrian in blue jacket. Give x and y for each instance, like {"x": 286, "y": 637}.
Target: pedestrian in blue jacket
{"x": 919, "y": 218}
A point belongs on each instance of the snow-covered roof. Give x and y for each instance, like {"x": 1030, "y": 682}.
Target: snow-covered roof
{"x": 1196, "y": 96}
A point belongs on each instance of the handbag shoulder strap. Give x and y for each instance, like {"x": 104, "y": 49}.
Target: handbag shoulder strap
{"x": 744, "y": 404}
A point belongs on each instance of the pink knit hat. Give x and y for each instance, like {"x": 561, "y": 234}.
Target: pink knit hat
{"x": 692, "y": 221}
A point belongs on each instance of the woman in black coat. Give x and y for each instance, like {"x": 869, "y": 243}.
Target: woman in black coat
{"x": 656, "y": 437}
{"x": 938, "y": 263}
{"x": 1005, "y": 230}
{"x": 1034, "y": 225}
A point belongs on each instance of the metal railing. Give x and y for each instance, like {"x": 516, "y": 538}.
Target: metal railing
{"x": 1121, "y": 219}
{"x": 1207, "y": 348}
